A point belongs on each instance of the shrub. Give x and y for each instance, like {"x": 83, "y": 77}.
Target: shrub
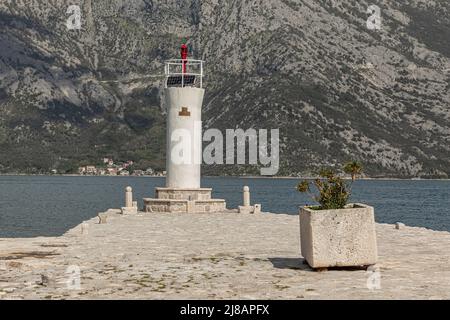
{"x": 334, "y": 192}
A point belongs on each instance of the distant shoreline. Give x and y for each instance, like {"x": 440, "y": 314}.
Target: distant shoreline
{"x": 208, "y": 176}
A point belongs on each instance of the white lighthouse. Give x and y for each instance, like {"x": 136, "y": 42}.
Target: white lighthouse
{"x": 183, "y": 97}
{"x": 184, "y": 116}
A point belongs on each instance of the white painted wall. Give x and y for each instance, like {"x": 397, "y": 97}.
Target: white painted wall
{"x": 184, "y": 175}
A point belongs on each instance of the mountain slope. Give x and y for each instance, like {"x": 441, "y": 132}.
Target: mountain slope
{"x": 336, "y": 90}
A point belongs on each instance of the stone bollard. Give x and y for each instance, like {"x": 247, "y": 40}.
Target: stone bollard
{"x": 246, "y": 207}
{"x": 128, "y": 197}
{"x": 399, "y": 225}
{"x": 246, "y": 196}
{"x": 130, "y": 205}
{"x": 257, "y": 209}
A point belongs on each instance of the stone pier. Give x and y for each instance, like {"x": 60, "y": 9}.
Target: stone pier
{"x": 215, "y": 256}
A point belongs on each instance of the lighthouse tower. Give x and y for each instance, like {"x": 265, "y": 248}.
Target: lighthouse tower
{"x": 183, "y": 97}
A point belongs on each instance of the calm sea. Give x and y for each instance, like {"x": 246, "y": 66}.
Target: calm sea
{"x": 33, "y": 206}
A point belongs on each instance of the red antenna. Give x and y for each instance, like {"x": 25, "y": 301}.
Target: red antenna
{"x": 184, "y": 56}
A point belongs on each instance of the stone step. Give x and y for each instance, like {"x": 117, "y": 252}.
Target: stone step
{"x": 183, "y": 194}
{"x": 184, "y": 206}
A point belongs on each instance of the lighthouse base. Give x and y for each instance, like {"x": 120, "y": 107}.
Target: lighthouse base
{"x": 173, "y": 200}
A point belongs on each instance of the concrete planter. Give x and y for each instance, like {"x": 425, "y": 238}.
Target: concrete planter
{"x": 338, "y": 238}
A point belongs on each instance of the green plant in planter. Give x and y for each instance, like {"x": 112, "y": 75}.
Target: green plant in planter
{"x": 334, "y": 192}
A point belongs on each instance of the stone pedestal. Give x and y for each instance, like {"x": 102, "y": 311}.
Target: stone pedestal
{"x": 180, "y": 200}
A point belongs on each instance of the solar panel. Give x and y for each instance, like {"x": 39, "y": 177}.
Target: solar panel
{"x": 177, "y": 81}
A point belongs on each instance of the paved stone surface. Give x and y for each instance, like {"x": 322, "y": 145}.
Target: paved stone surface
{"x": 211, "y": 256}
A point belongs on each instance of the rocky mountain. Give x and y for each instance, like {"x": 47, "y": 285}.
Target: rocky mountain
{"x": 336, "y": 89}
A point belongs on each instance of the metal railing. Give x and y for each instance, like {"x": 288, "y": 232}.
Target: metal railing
{"x": 183, "y": 68}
